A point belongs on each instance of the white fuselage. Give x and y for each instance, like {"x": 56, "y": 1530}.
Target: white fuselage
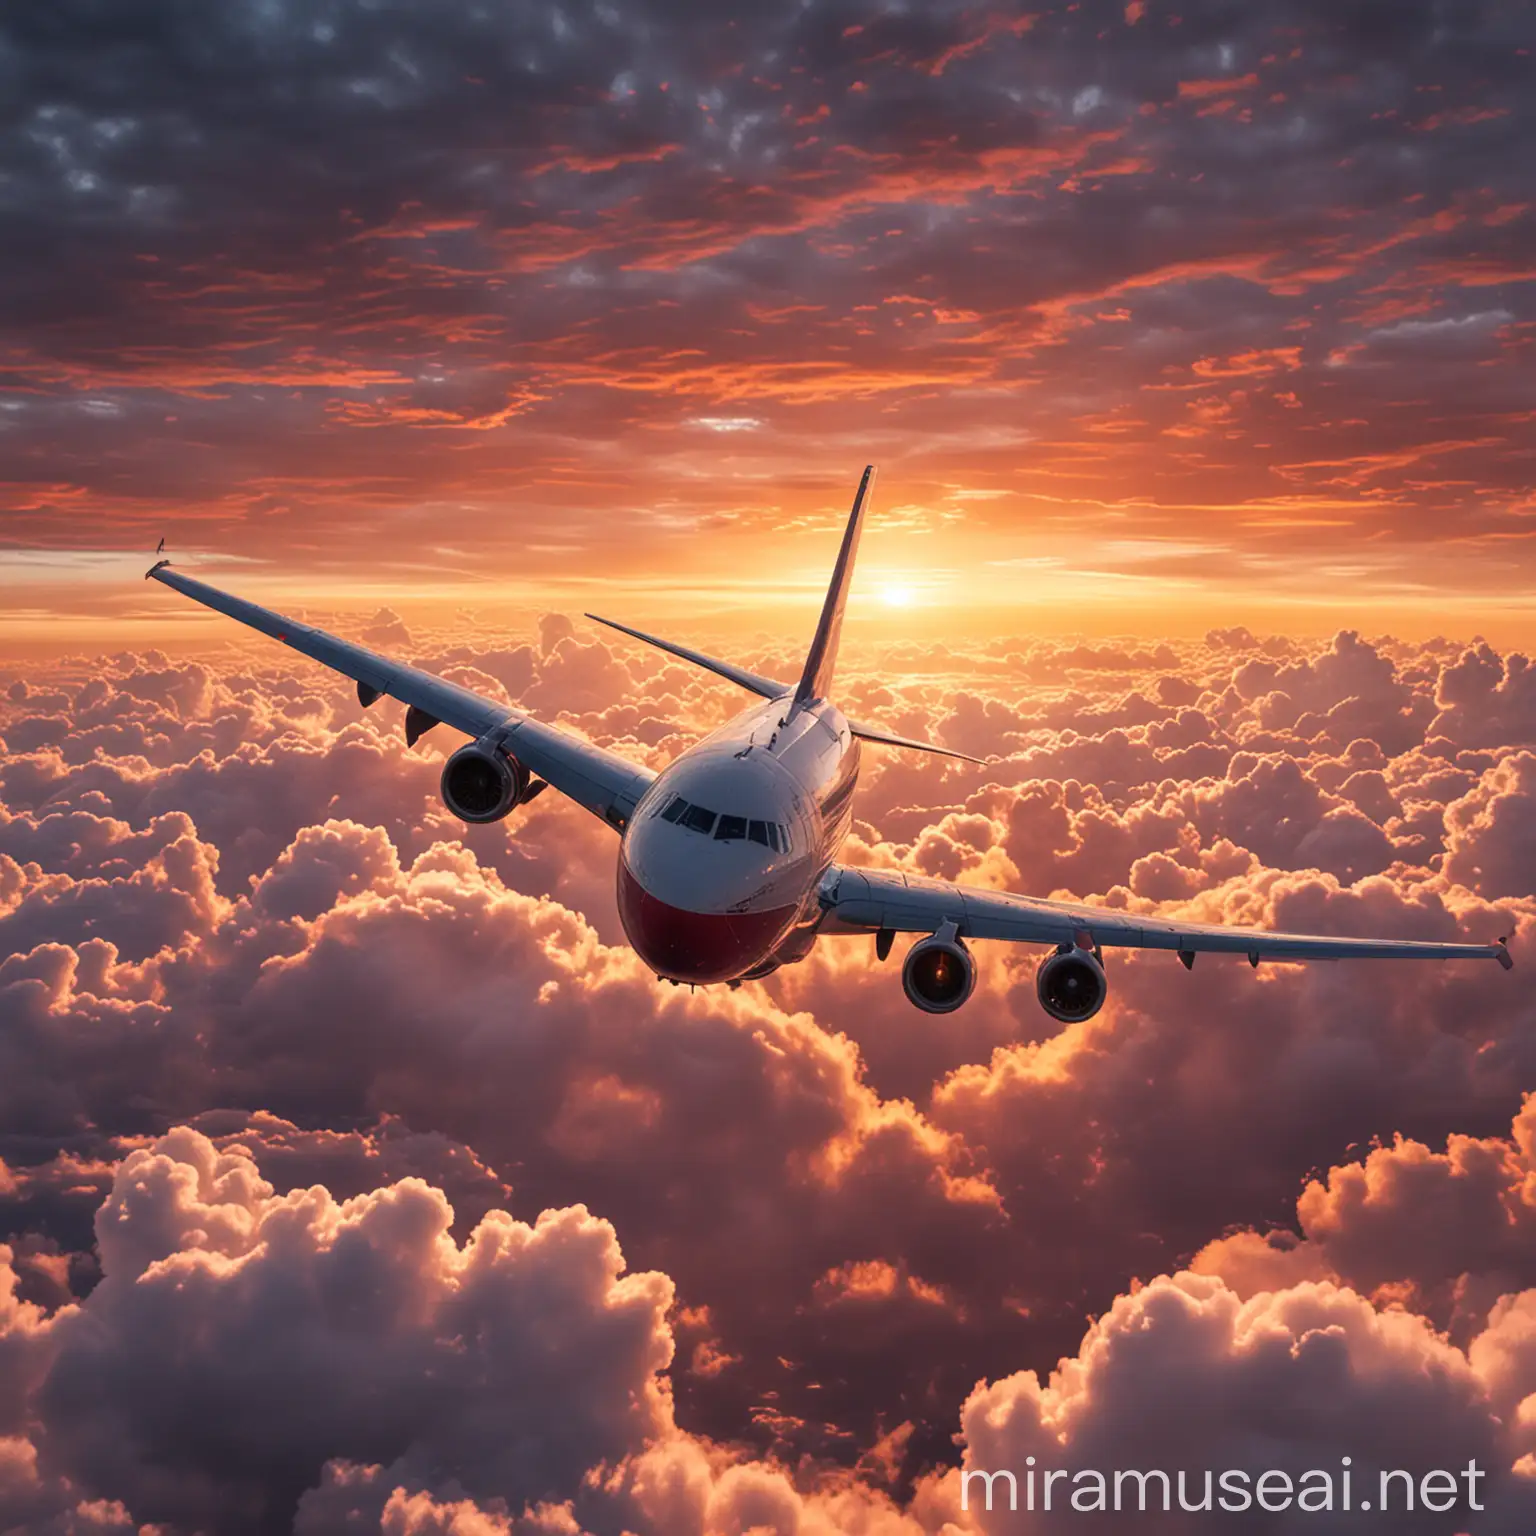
{"x": 719, "y": 864}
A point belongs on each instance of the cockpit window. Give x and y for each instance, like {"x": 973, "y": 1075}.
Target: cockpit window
{"x": 697, "y": 819}
{"x": 725, "y": 828}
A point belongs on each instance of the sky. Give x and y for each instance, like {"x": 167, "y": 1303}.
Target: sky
{"x": 354, "y": 1174}
{"x": 1142, "y": 309}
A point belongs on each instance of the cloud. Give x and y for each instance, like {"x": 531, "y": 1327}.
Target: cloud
{"x": 211, "y": 341}
{"x": 1184, "y": 1376}
{"x": 283, "y": 944}
{"x": 1446, "y": 1232}
{"x": 250, "y": 1357}
{"x": 1489, "y": 840}
{"x": 386, "y": 628}
{"x": 238, "y": 1339}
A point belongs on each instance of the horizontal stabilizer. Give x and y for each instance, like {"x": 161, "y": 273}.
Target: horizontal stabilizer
{"x": 769, "y": 689}
{"x": 764, "y": 686}
{"x": 886, "y": 739}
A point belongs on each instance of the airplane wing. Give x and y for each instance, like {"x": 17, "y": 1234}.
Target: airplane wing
{"x": 608, "y": 785}
{"x": 872, "y": 900}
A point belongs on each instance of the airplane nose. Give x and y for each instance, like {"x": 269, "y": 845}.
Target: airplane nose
{"x": 697, "y": 947}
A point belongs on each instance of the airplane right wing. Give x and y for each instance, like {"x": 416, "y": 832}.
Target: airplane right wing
{"x": 872, "y": 900}
{"x": 608, "y": 785}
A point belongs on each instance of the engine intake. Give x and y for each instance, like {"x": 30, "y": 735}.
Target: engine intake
{"x": 481, "y": 784}
{"x": 939, "y": 973}
{"x": 1071, "y": 985}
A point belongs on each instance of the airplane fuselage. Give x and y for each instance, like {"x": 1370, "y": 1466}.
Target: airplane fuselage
{"x": 719, "y": 865}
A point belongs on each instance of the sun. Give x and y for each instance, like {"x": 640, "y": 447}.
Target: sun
{"x": 894, "y": 595}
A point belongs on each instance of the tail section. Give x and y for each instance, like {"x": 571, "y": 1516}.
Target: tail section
{"x": 816, "y": 680}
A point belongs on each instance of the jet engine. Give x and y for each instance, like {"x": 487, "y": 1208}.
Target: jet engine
{"x": 939, "y": 973}
{"x": 1071, "y": 985}
{"x": 481, "y": 784}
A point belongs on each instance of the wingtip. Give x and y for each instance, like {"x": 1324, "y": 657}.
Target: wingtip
{"x": 1504, "y": 957}
{"x": 964, "y": 757}
{"x": 159, "y": 565}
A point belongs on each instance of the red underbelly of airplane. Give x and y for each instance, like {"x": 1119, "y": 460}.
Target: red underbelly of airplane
{"x": 696, "y": 946}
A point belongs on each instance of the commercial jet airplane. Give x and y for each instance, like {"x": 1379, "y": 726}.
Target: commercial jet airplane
{"x": 727, "y": 859}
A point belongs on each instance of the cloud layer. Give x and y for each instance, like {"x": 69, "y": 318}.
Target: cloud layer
{"x": 313, "y": 1095}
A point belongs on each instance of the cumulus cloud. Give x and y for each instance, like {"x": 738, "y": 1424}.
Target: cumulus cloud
{"x": 1186, "y": 1378}
{"x": 361, "y": 1327}
{"x": 251, "y": 918}
{"x": 252, "y": 1360}
{"x": 1446, "y": 1232}
{"x": 1489, "y": 830}
{"x": 386, "y": 628}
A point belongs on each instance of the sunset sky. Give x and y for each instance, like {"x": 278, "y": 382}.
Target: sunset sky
{"x": 1169, "y": 312}
{"x": 355, "y": 1175}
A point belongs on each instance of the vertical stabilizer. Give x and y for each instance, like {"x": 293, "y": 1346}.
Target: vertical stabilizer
{"x": 816, "y": 680}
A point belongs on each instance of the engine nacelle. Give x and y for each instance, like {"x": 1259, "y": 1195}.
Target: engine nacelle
{"x": 481, "y": 784}
{"x": 939, "y": 974}
{"x": 1071, "y": 985}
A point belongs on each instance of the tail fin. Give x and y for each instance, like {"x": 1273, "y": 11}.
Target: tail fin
{"x": 816, "y": 680}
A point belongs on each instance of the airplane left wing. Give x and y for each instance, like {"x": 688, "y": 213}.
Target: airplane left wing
{"x": 608, "y": 785}
{"x": 872, "y": 900}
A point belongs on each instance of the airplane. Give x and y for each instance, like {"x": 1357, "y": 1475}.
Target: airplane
{"x": 727, "y": 862}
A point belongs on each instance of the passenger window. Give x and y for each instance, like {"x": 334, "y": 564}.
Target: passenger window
{"x": 674, "y": 808}
{"x": 698, "y": 819}
{"x": 731, "y": 829}
{"x": 758, "y": 832}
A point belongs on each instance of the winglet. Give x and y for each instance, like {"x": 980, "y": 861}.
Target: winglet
{"x": 1503, "y": 955}
{"x": 816, "y": 680}
{"x": 159, "y": 565}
